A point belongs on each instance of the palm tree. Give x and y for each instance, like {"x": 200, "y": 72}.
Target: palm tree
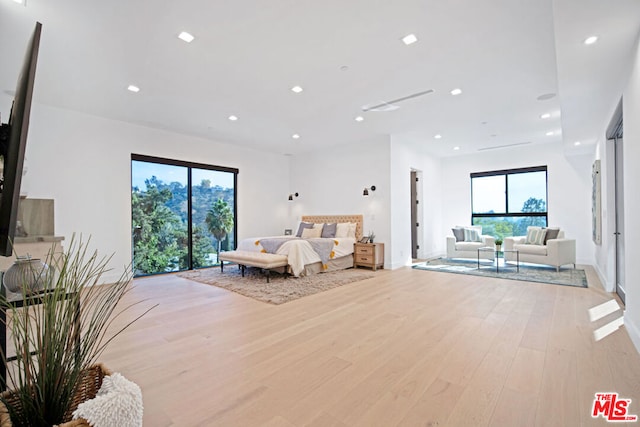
{"x": 220, "y": 222}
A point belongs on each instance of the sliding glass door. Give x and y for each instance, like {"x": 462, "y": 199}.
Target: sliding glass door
{"x": 213, "y": 205}
{"x": 182, "y": 214}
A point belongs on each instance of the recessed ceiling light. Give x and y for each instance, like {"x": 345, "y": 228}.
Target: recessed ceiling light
{"x": 550, "y": 133}
{"x": 438, "y": 136}
{"x": 186, "y": 37}
{"x": 456, "y": 91}
{"x": 576, "y": 143}
{"x": 233, "y": 118}
{"x": 296, "y": 89}
{"x": 295, "y": 136}
{"x": 344, "y": 68}
{"x": 591, "y": 40}
{"x": 133, "y": 88}
{"x": 359, "y": 119}
{"x": 545, "y": 116}
{"x": 409, "y": 39}
{"x": 456, "y": 148}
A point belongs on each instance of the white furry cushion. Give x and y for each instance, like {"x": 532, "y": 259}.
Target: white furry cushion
{"x": 117, "y": 403}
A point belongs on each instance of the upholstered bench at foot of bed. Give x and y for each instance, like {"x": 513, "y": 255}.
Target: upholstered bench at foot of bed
{"x": 253, "y": 259}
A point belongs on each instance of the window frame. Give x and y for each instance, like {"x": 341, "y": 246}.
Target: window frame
{"x": 506, "y": 173}
{"x": 190, "y": 166}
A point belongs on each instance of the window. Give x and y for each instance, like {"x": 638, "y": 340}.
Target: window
{"x": 506, "y": 202}
{"x": 182, "y": 214}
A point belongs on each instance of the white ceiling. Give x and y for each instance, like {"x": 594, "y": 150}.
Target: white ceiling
{"x": 247, "y": 54}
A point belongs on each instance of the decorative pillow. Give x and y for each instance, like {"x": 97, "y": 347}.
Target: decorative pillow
{"x": 342, "y": 229}
{"x": 552, "y": 233}
{"x": 458, "y": 233}
{"x": 329, "y": 230}
{"x": 311, "y": 233}
{"x": 535, "y": 236}
{"x": 352, "y": 229}
{"x": 302, "y": 226}
{"x": 346, "y": 229}
{"x": 472, "y": 235}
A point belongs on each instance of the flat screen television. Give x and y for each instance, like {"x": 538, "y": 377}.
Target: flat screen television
{"x": 13, "y": 140}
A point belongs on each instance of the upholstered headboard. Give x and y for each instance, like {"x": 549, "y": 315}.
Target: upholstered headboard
{"x": 358, "y": 219}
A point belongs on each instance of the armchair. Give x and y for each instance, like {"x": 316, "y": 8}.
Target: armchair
{"x": 457, "y": 248}
{"x": 555, "y": 252}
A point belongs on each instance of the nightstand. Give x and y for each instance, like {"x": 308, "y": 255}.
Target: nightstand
{"x": 369, "y": 255}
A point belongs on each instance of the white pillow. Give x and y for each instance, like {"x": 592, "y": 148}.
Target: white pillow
{"x": 312, "y": 233}
{"x": 535, "y": 236}
{"x": 352, "y": 229}
{"x": 471, "y": 235}
{"x": 342, "y": 229}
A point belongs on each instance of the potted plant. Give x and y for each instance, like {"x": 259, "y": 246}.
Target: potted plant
{"x": 371, "y": 236}
{"x": 58, "y": 335}
{"x": 498, "y": 243}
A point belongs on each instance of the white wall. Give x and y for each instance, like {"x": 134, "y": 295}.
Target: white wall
{"x": 406, "y": 156}
{"x": 631, "y": 118}
{"x": 331, "y": 181}
{"x": 83, "y": 162}
{"x": 568, "y": 182}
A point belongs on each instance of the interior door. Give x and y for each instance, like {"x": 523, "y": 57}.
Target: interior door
{"x": 619, "y": 228}
{"x": 614, "y": 134}
{"x": 414, "y": 214}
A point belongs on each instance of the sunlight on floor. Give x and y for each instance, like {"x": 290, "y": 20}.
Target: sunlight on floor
{"x": 599, "y": 311}
{"x": 602, "y": 310}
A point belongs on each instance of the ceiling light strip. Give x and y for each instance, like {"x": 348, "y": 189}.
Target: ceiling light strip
{"x": 503, "y": 146}
{"x": 384, "y": 104}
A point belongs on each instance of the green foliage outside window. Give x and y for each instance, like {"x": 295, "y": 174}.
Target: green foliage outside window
{"x": 506, "y": 226}
{"x": 159, "y": 223}
{"x": 157, "y": 229}
{"x": 220, "y": 222}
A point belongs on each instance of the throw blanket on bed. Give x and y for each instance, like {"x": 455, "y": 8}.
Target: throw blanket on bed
{"x": 324, "y": 249}
{"x": 272, "y": 244}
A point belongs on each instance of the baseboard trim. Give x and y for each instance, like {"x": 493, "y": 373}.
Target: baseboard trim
{"x": 633, "y": 331}
{"x": 397, "y": 265}
{"x": 608, "y": 287}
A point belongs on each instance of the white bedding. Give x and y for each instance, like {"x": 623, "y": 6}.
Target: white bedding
{"x": 298, "y": 251}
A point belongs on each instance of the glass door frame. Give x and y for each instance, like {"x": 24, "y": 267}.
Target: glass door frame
{"x": 190, "y": 166}
{"x": 615, "y": 135}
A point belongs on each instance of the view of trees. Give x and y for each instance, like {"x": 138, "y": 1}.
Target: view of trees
{"x": 159, "y": 221}
{"x": 220, "y": 222}
{"x": 505, "y": 226}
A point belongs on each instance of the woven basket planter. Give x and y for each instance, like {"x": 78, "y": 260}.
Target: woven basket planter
{"x": 87, "y": 388}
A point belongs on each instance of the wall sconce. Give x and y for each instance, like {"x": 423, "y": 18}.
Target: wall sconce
{"x": 366, "y": 190}
{"x": 292, "y": 195}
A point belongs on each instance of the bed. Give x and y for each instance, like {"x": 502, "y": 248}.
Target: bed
{"x": 303, "y": 259}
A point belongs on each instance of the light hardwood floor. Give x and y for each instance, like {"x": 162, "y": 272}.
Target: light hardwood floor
{"x": 408, "y": 348}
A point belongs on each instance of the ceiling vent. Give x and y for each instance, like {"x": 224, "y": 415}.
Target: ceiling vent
{"x": 391, "y": 105}
{"x": 503, "y": 146}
